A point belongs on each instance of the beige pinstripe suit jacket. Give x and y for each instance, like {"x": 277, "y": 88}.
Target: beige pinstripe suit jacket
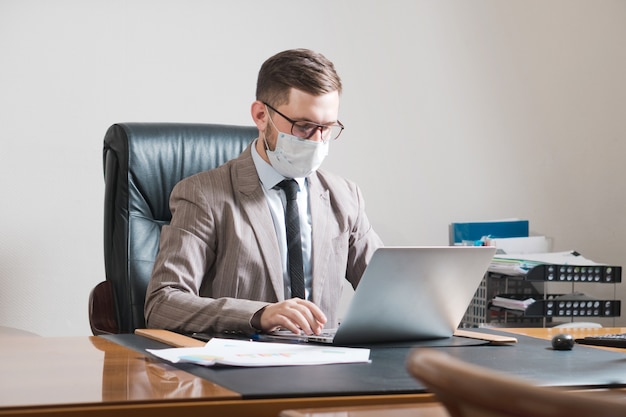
{"x": 219, "y": 260}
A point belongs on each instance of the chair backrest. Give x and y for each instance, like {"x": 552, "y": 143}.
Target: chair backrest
{"x": 468, "y": 390}
{"x": 142, "y": 163}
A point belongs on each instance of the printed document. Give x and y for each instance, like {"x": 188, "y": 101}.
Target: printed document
{"x": 234, "y": 352}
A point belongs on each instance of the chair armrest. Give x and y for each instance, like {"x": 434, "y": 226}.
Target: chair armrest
{"x": 102, "y": 318}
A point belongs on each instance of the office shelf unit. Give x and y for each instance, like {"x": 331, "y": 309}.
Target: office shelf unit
{"x": 547, "y": 306}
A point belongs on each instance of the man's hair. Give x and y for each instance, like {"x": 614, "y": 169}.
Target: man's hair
{"x": 302, "y": 69}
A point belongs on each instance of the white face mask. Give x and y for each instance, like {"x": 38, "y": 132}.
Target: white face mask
{"x": 294, "y": 157}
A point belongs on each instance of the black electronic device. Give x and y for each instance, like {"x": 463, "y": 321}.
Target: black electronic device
{"x": 575, "y": 273}
{"x": 617, "y": 340}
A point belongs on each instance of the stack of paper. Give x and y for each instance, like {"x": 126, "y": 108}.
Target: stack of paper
{"x": 511, "y": 303}
{"x": 250, "y": 353}
{"x": 520, "y": 264}
{"x": 520, "y": 245}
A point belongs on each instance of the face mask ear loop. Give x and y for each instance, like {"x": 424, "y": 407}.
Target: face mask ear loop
{"x": 267, "y": 147}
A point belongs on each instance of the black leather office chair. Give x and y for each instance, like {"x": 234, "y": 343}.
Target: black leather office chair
{"x": 142, "y": 163}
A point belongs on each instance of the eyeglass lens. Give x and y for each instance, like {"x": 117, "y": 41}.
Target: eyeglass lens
{"x": 307, "y": 130}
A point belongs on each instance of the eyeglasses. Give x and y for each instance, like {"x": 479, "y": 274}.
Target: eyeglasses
{"x": 306, "y": 130}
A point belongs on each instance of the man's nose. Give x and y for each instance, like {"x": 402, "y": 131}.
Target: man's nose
{"x": 318, "y": 134}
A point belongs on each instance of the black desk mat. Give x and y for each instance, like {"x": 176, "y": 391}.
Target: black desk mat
{"x": 530, "y": 358}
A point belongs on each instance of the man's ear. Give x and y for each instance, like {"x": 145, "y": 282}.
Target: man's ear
{"x": 259, "y": 114}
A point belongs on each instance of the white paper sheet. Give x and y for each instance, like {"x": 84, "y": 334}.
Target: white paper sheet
{"x": 520, "y": 264}
{"x": 251, "y": 353}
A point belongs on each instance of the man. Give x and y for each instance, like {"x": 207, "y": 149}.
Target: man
{"x": 223, "y": 264}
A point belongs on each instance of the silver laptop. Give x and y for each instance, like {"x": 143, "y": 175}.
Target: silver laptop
{"x": 408, "y": 293}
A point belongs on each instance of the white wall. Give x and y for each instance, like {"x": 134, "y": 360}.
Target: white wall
{"x": 455, "y": 110}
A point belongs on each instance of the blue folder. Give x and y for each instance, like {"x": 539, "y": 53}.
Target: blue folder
{"x": 474, "y": 231}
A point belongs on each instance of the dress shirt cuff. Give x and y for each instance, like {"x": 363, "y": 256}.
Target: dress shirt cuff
{"x": 255, "y": 321}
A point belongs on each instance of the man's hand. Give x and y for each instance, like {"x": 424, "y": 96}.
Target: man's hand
{"x": 295, "y": 314}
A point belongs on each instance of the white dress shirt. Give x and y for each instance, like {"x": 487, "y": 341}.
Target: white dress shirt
{"x": 277, "y": 201}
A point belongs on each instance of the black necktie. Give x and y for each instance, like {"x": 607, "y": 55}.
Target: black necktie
{"x": 294, "y": 245}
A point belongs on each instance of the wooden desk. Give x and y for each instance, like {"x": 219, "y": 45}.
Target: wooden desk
{"x": 431, "y": 409}
{"x": 548, "y": 332}
{"x": 436, "y": 409}
{"x": 76, "y": 376}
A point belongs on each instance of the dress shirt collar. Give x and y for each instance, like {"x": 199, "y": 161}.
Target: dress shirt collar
{"x": 267, "y": 174}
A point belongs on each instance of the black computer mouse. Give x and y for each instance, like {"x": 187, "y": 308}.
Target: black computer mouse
{"x": 563, "y": 341}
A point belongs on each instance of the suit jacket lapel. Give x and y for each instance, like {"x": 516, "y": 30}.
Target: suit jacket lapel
{"x": 254, "y": 205}
{"x": 320, "y": 213}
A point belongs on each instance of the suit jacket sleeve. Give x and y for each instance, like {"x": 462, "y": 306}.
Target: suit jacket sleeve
{"x": 209, "y": 274}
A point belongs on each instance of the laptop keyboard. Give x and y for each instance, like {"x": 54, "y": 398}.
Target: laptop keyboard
{"x": 617, "y": 340}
